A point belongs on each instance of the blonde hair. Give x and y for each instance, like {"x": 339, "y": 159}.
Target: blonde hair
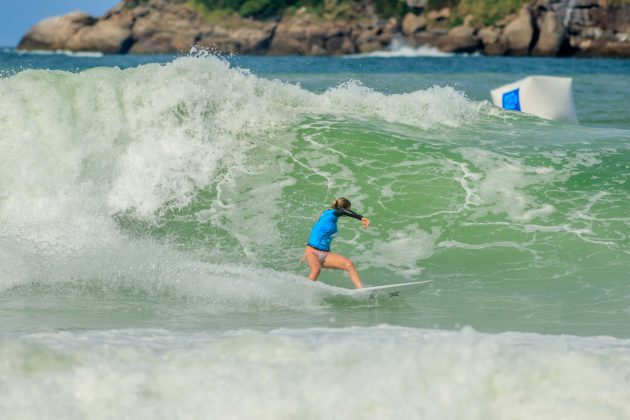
{"x": 341, "y": 203}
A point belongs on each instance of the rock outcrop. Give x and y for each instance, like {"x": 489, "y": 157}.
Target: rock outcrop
{"x": 296, "y": 35}
{"x": 167, "y": 26}
{"x": 541, "y": 27}
{"x": 551, "y": 37}
{"x": 598, "y": 28}
{"x": 492, "y": 42}
{"x": 54, "y": 33}
{"x": 111, "y": 35}
{"x": 412, "y": 23}
{"x": 162, "y": 27}
{"x": 463, "y": 38}
{"x": 519, "y": 34}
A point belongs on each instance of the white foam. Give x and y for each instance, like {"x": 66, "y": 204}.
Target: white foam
{"x": 503, "y": 184}
{"x": 399, "y": 48}
{"x": 401, "y": 251}
{"x": 82, "y": 54}
{"x": 499, "y": 244}
{"x": 348, "y": 373}
{"x": 500, "y": 185}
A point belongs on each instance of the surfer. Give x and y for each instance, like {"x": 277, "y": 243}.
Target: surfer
{"x": 318, "y": 255}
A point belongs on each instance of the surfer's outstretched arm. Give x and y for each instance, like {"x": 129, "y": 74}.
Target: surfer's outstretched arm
{"x": 347, "y": 212}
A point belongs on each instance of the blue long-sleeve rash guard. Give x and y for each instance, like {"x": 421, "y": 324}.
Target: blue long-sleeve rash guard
{"x": 325, "y": 228}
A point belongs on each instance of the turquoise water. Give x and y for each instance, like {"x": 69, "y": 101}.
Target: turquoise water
{"x": 154, "y": 210}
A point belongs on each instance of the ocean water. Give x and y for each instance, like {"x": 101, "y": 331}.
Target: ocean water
{"x": 153, "y": 211}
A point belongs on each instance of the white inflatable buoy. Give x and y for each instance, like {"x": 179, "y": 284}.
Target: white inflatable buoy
{"x": 544, "y": 96}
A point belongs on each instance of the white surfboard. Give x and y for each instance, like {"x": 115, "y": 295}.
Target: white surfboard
{"x": 389, "y": 290}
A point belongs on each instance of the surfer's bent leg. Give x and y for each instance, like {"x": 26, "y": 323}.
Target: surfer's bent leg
{"x": 314, "y": 263}
{"x": 342, "y": 263}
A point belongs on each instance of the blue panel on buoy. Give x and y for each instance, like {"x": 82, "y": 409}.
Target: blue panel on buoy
{"x": 511, "y": 100}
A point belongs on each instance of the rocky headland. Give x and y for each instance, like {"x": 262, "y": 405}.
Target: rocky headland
{"x": 536, "y": 28}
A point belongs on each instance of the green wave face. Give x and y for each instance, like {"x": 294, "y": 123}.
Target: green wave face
{"x": 525, "y": 226}
{"x": 193, "y": 180}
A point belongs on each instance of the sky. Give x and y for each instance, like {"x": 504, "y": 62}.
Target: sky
{"x": 18, "y": 16}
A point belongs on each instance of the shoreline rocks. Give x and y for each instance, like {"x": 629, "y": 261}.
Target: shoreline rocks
{"x": 541, "y": 28}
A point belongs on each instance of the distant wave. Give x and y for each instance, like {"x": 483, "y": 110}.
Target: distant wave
{"x": 400, "y": 49}
{"x": 89, "y": 54}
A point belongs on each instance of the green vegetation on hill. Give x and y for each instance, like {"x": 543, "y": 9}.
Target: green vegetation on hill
{"x": 486, "y": 12}
{"x": 253, "y": 8}
{"x": 389, "y": 8}
{"x": 272, "y": 8}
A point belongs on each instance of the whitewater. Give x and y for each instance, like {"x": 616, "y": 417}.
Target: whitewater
{"x": 154, "y": 209}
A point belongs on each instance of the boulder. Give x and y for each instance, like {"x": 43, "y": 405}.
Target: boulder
{"x": 462, "y": 39}
{"x": 551, "y": 37}
{"x": 254, "y": 40}
{"x": 586, "y": 17}
{"x": 434, "y": 37}
{"x": 366, "y": 40}
{"x": 369, "y": 46}
{"x": 340, "y": 44}
{"x": 412, "y": 23}
{"x": 297, "y": 35}
{"x": 439, "y": 15}
{"x": 162, "y": 31}
{"x": 492, "y": 42}
{"x": 505, "y": 21}
{"x": 217, "y": 39}
{"x": 111, "y": 36}
{"x": 319, "y": 33}
{"x": 385, "y": 34}
{"x": 489, "y": 36}
{"x": 374, "y": 36}
{"x": 53, "y": 33}
{"x": 161, "y": 41}
{"x": 290, "y": 38}
{"x": 328, "y": 39}
{"x": 150, "y": 35}
{"x": 245, "y": 40}
{"x": 618, "y": 17}
{"x": 518, "y": 34}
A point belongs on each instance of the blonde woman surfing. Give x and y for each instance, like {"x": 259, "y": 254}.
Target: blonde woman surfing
{"x": 318, "y": 253}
